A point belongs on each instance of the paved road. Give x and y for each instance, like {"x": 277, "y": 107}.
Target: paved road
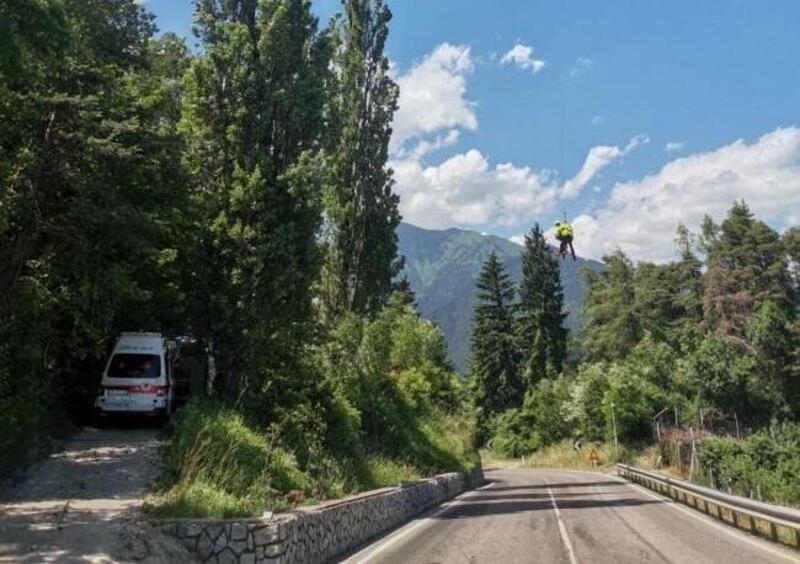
{"x": 566, "y": 517}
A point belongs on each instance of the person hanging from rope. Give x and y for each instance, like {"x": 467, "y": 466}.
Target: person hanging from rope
{"x": 564, "y": 234}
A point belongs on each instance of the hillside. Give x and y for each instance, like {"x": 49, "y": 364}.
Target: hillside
{"x": 442, "y": 267}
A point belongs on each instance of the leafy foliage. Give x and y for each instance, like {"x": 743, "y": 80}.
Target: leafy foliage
{"x": 765, "y": 465}
{"x": 361, "y": 209}
{"x": 146, "y": 187}
{"x": 714, "y": 332}
{"x": 92, "y": 195}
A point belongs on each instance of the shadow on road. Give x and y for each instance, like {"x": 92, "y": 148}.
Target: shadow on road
{"x": 481, "y": 507}
{"x": 552, "y": 486}
{"x": 523, "y": 496}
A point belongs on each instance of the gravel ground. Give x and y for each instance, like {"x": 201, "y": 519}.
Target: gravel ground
{"x": 82, "y": 503}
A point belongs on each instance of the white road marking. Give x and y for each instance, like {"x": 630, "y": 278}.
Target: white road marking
{"x": 562, "y": 530}
{"x": 370, "y": 552}
{"x": 710, "y": 522}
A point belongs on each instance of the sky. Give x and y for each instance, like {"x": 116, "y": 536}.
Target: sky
{"x": 630, "y": 117}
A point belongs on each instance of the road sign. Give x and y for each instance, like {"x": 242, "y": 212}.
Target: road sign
{"x": 594, "y": 457}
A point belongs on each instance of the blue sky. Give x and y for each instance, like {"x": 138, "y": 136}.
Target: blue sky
{"x": 630, "y": 116}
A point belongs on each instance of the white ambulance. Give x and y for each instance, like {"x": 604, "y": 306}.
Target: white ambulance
{"x": 138, "y": 378}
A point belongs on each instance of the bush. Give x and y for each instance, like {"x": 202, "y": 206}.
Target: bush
{"x": 584, "y": 407}
{"x": 512, "y": 435}
{"x": 765, "y": 462}
{"x": 724, "y": 378}
{"x": 539, "y": 422}
{"x": 629, "y": 402}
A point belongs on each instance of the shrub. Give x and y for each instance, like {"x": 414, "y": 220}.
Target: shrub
{"x": 766, "y": 463}
{"x": 584, "y": 406}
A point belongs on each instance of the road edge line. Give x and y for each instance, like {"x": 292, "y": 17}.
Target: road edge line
{"x": 744, "y": 537}
{"x": 562, "y": 529}
{"x": 371, "y": 551}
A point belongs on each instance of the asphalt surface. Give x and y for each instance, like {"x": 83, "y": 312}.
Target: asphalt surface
{"x": 526, "y": 515}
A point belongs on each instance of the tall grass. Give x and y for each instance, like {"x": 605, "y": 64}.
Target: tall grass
{"x": 563, "y": 455}
{"x": 216, "y": 466}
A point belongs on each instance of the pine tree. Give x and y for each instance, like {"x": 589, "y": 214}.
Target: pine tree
{"x": 361, "y": 208}
{"x": 613, "y": 326}
{"x": 494, "y": 359}
{"x": 747, "y": 266}
{"x": 687, "y": 275}
{"x": 542, "y": 337}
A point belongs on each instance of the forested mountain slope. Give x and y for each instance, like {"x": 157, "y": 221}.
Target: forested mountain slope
{"x": 442, "y": 267}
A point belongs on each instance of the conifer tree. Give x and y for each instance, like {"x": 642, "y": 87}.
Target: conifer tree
{"x": 542, "y": 337}
{"x": 494, "y": 358}
{"x": 747, "y": 266}
{"x": 687, "y": 275}
{"x": 361, "y": 208}
{"x": 613, "y": 326}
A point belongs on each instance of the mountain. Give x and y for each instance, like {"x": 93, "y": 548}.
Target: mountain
{"x": 442, "y": 267}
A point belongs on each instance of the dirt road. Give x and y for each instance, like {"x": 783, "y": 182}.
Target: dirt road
{"x": 81, "y": 504}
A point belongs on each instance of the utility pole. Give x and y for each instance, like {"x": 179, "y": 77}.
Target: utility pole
{"x": 614, "y": 425}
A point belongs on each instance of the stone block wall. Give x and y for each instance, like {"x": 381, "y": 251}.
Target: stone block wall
{"x": 316, "y": 534}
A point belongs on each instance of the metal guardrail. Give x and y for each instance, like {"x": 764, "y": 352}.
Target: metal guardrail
{"x": 776, "y": 523}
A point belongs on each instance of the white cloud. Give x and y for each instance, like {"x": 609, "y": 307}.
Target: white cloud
{"x": 433, "y": 95}
{"x": 522, "y": 56}
{"x": 581, "y": 66}
{"x": 466, "y": 190}
{"x": 599, "y": 158}
{"x": 674, "y": 147}
{"x": 427, "y": 146}
{"x": 641, "y": 216}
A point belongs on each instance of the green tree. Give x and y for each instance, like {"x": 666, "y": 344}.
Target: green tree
{"x": 253, "y": 117}
{"x": 360, "y": 206}
{"x": 770, "y": 333}
{"x": 746, "y": 267}
{"x": 540, "y": 329}
{"x": 494, "y": 357}
{"x": 718, "y": 375}
{"x": 90, "y": 185}
{"x": 613, "y": 326}
{"x": 629, "y": 405}
{"x": 584, "y": 408}
{"x": 687, "y": 273}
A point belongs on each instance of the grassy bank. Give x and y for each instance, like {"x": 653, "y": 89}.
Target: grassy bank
{"x": 218, "y": 466}
{"x": 563, "y": 455}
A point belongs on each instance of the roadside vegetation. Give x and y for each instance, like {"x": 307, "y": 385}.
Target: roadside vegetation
{"x": 240, "y": 195}
{"x": 699, "y": 352}
{"x": 385, "y": 410}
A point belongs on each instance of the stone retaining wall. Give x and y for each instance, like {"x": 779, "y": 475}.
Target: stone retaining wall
{"x": 320, "y": 533}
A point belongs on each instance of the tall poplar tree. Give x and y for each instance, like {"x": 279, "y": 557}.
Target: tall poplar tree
{"x": 540, "y": 329}
{"x": 253, "y": 115}
{"x": 361, "y": 208}
{"x": 494, "y": 359}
